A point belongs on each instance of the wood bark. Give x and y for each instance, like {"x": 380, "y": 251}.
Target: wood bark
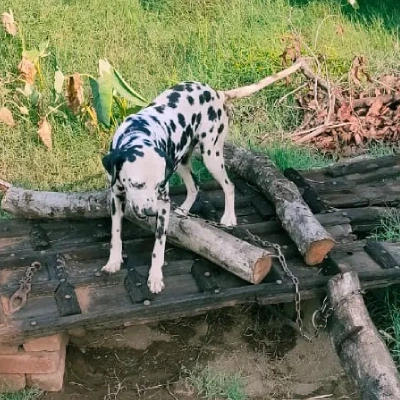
{"x": 249, "y": 262}
{"x": 363, "y": 354}
{"x": 312, "y": 240}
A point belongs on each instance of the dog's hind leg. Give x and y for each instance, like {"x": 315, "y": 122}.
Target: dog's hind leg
{"x": 214, "y": 161}
{"x": 155, "y": 281}
{"x": 185, "y": 172}
{"x": 117, "y": 212}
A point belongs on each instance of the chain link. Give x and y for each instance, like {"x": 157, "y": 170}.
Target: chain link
{"x": 18, "y": 299}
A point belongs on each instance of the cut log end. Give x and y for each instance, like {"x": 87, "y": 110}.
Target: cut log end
{"x": 261, "y": 269}
{"x": 318, "y": 250}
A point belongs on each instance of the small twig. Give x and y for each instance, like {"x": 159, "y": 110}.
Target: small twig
{"x": 280, "y": 101}
{"x": 320, "y": 129}
{"x": 4, "y": 186}
{"x": 169, "y": 392}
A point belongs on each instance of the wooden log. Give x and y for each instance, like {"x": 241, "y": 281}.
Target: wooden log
{"x": 363, "y": 354}
{"x": 249, "y": 262}
{"x": 312, "y": 240}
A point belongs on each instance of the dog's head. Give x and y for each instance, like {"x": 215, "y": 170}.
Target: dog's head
{"x": 142, "y": 173}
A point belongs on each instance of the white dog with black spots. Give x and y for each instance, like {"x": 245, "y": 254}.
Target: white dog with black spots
{"x": 148, "y": 147}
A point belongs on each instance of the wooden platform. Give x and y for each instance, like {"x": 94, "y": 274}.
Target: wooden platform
{"x": 78, "y": 294}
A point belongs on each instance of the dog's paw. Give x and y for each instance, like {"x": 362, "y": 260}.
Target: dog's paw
{"x": 228, "y": 220}
{"x": 112, "y": 266}
{"x": 155, "y": 283}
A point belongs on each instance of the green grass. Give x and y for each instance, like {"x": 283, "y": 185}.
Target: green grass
{"x": 389, "y": 227}
{"x": 157, "y": 43}
{"x": 28, "y": 394}
{"x": 215, "y": 384}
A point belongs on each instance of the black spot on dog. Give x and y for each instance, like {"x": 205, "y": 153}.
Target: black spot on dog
{"x": 198, "y": 120}
{"x": 160, "y": 109}
{"x": 178, "y": 88}
{"x": 181, "y": 120}
{"x": 163, "y": 211}
{"x": 212, "y": 116}
{"x": 160, "y": 227}
{"x": 217, "y": 95}
{"x": 212, "y": 129}
{"x": 136, "y": 124}
{"x": 202, "y": 148}
{"x": 217, "y": 153}
{"x": 190, "y": 100}
{"x": 173, "y": 99}
{"x": 203, "y": 135}
{"x": 172, "y": 125}
{"x": 154, "y": 255}
{"x": 226, "y": 181}
{"x": 113, "y": 208}
{"x": 209, "y": 152}
{"x": 198, "y": 87}
{"x": 188, "y": 87}
{"x": 222, "y": 166}
{"x": 155, "y": 119}
{"x": 207, "y": 96}
{"x": 147, "y": 142}
{"x": 201, "y": 99}
{"x": 221, "y": 128}
{"x": 219, "y": 112}
{"x": 194, "y": 116}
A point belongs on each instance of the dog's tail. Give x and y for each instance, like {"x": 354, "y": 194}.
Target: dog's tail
{"x": 245, "y": 91}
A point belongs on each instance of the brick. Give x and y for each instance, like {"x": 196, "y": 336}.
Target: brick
{"x": 30, "y": 363}
{"x": 7, "y": 349}
{"x": 12, "y": 382}
{"x": 52, "y": 382}
{"x": 47, "y": 343}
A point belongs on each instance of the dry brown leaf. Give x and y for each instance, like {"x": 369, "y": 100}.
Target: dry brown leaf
{"x": 344, "y": 112}
{"x": 27, "y": 70}
{"x": 376, "y": 107}
{"x": 359, "y": 66}
{"x": 7, "y": 19}
{"x": 6, "y": 117}
{"x": 74, "y": 92}
{"x": 44, "y": 132}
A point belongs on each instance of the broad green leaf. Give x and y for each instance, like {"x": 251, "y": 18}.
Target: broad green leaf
{"x": 58, "y": 81}
{"x": 32, "y": 55}
{"x": 133, "y": 110}
{"x": 122, "y": 87}
{"x": 102, "y": 91}
{"x": 43, "y": 47}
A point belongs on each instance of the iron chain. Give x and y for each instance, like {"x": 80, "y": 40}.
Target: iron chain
{"x": 18, "y": 299}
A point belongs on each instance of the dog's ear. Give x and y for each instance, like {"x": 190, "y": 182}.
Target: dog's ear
{"x": 107, "y": 162}
{"x": 112, "y": 162}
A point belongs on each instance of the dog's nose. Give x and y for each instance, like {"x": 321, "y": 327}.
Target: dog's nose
{"x": 149, "y": 212}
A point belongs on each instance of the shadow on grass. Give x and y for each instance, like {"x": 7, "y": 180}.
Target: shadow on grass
{"x": 388, "y": 11}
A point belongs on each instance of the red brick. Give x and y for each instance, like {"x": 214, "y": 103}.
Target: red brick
{"x": 12, "y": 382}
{"x": 7, "y": 349}
{"x": 30, "y": 363}
{"x": 47, "y": 343}
{"x": 52, "y": 382}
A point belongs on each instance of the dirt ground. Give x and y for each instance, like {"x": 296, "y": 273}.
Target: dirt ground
{"x": 156, "y": 361}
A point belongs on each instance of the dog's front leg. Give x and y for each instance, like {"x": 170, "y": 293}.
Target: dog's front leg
{"x": 117, "y": 211}
{"x": 156, "y": 279}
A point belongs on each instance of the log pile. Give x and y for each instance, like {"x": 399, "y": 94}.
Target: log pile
{"x": 344, "y": 118}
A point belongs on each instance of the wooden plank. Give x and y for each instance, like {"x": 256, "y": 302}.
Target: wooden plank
{"x": 205, "y": 274}
{"x": 381, "y": 255}
{"x": 38, "y": 237}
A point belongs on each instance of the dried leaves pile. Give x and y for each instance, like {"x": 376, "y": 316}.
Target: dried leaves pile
{"x": 345, "y": 119}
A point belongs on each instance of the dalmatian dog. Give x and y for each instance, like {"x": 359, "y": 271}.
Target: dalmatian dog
{"x": 148, "y": 147}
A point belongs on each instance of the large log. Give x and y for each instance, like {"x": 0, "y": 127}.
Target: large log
{"x": 312, "y": 240}
{"x": 363, "y": 354}
{"x": 249, "y": 262}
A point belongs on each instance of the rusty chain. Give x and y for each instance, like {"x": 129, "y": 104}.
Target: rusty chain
{"x": 18, "y": 299}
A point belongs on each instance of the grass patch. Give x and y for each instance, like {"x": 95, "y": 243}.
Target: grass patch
{"x": 381, "y": 149}
{"x": 27, "y": 394}
{"x": 288, "y": 155}
{"x": 389, "y": 227}
{"x": 213, "y": 384}
{"x": 157, "y": 43}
